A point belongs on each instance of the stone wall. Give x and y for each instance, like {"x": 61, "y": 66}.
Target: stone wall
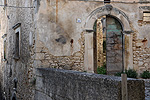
{"x": 141, "y": 54}
{"x": 53, "y": 35}
{"x": 56, "y": 45}
{"x": 1, "y": 91}
{"x": 19, "y": 12}
{"x": 57, "y": 84}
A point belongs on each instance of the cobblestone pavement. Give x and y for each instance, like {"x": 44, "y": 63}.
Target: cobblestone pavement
{"x": 147, "y": 89}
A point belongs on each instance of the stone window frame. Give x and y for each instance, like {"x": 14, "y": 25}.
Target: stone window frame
{"x": 107, "y": 1}
{"x": 4, "y": 47}
{"x": 17, "y": 29}
{"x": 146, "y": 14}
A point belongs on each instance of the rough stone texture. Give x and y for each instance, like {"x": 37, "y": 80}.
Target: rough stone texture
{"x": 11, "y": 67}
{"x": 58, "y": 40}
{"x": 147, "y": 89}
{"x": 57, "y": 84}
{"x": 1, "y": 91}
{"x": 141, "y": 54}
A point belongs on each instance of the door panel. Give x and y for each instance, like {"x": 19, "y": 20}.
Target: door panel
{"x": 113, "y": 45}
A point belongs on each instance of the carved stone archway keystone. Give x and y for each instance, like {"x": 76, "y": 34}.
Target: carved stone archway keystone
{"x": 108, "y": 10}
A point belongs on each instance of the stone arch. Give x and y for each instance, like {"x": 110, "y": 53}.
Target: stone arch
{"x": 108, "y": 10}
{"x": 89, "y": 34}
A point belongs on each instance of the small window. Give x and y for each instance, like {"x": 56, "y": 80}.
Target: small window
{"x": 106, "y": 1}
{"x": 17, "y": 45}
{"x": 5, "y": 49}
{"x": 146, "y": 16}
{"x": 4, "y": 46}
{"x": 17, "y": 29}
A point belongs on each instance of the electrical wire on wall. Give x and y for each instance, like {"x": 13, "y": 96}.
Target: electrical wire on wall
{"x": 14, "y": 6}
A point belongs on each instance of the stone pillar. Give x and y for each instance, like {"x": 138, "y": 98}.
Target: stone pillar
{"x": 128, "y": 51}
{"x": 88, "y": 56}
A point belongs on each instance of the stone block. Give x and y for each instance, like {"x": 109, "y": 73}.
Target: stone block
{"x": 140, "y": 63}
{"x": 37, "y": 63}
{"x": 39, "y": 56}
{"x": 39, "y": 44}
{"x": 42, "y": 96}
{"x": 146, "y": 18}
{"x": 38, "y": 49}
{"x": 146, "y": 64}
{"x": 139, "y": 44}
{"x": 135, "y": 62}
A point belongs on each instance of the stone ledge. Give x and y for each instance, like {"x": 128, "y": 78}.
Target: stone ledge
{"x": 76, "y": 85}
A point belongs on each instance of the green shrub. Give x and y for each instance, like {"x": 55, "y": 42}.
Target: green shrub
{"x": 118, "y": 73}
{"x": 104, "y": 65}
{"x": 145, "y": 74}
{"x": 101, "y": 70}
{"x": 130, "y": 73}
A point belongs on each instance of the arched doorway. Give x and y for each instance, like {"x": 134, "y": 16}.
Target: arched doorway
{"x": 108, "y": 44}
{"x": 123, "y": 20}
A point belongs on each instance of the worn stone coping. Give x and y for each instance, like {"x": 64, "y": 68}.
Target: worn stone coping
{"x": 147, "y": 82}
{"x": 81, "y": 75}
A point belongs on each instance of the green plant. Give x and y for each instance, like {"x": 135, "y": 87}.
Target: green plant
{"x": 104, "y": 65}
{"x": 101, "y": 70}
{"x": 145, "y": 74}
{"x": 131, "y": 73}
{"x": 118, "y": 73}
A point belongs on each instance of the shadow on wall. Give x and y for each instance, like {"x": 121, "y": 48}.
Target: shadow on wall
{"x": 0, "y": 91}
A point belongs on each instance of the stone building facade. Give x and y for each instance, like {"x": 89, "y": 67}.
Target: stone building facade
{"x": 16, "y": 23}
{"x": 61, "y": 34}
{"x": 67, "y": 41}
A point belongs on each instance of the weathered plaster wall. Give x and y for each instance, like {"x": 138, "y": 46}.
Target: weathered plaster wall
{"x": 54, "y": 38}
{"x": 59, "y": 37}
{"x": 56, "y": 84}
{"x": 3, "y": 30}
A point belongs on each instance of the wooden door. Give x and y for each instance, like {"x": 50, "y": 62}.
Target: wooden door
{"x": 114, "y": 45}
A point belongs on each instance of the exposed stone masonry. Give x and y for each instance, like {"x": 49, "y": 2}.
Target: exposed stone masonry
{"x": 58, "y": 29}
{"x": 141, "y": 54}
{"x": 45, "y": 59}
{"x": 99, "y": 42}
